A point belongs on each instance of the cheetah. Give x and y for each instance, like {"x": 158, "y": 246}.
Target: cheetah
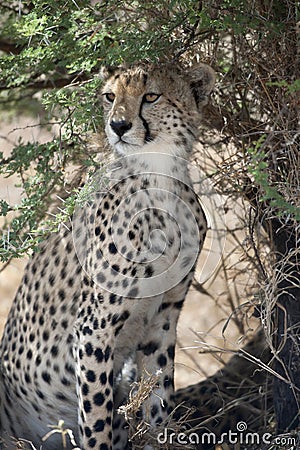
{"x": 109, "y": 288}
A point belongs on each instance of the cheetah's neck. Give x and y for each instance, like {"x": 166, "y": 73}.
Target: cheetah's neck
{"x": 170, "y": 162}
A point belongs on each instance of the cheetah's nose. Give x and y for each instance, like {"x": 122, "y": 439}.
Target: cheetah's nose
{"x": 120, "y": 127}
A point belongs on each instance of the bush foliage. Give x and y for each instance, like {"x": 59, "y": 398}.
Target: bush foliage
{"x": 51, "y": 52}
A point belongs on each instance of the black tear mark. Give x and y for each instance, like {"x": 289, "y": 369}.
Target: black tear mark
{"x": 148, "y": 137}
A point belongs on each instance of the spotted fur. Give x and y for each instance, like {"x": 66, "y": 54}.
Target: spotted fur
{"x": 111, "y": 289}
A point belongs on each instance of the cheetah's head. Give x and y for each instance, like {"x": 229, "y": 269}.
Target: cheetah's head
{"x": 154, "y": 108}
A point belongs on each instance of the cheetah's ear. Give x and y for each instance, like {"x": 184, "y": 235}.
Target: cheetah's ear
{"x": 107, "y": 71}
{"x": 202, "y": 81}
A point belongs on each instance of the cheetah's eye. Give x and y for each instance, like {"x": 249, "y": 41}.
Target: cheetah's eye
{"x": 110, "y": 96}
{"x": 151, "y": 98}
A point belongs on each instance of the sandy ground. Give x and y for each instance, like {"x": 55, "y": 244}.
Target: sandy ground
{"x": 11, "y": 130}
{"x": 203, "y": 316}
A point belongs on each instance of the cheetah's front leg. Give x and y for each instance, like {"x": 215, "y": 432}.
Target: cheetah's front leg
{"x": 95, "y": 377}
{"x": 155, "y": 356}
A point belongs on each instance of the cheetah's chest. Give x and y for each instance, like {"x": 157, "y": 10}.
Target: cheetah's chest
{"x": 144, "y": 236}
